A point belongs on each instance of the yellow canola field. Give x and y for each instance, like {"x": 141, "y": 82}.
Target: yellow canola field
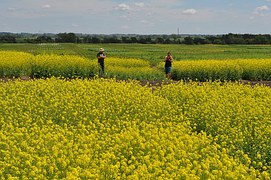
{"x": 227, "y": 69}
{"x": 68, "y": 66}
{"x": 15, "y": 64}
{"x": 237, "y": 116}
{"x": 130, "y": 68}
{"x": 18, "y": 64}
{"x": 104, "y": 129}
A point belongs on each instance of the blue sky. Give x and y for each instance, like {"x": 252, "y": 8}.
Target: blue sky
{"x": 136, "y": 16}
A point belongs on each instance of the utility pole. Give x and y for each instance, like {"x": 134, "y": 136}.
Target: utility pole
{"x": 178, "y": 31}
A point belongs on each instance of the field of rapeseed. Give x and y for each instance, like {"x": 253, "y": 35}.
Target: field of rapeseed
{"x": 130, "y": 68}
{"x": 237, "y": 116}
{"x": 223, "y": 70}
{"x": 108, "y": 129}
{"x": 17, "y": 64}
{"x": 111, "y": 129}
{"x": 14, "y": 64}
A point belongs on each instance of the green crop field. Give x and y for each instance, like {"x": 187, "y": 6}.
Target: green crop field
{"x": 151, "y": 52}
{"x": 194, "y": 62}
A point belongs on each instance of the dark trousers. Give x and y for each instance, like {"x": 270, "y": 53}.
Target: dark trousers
{"x": 101, "y": 68}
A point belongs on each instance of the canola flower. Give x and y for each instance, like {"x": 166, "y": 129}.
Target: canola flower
{"x": 258, "y": 69}
{"x": 14, "y": 64}
{"x": 223, "y": 70}
{"x": 237, "y": 116}
{"x": 130, "y": 68}
{"x": 67, "y": 66}
{"x": 204, "y": 70}
{"x": 108, "y": 129}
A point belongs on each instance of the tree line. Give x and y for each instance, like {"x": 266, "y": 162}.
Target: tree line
{"x": 134, "y": 38}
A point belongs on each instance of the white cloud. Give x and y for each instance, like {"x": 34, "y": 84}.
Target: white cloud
{"x": 11, "y": 9}
{"x": 147, "y": 23}
{"x": 74, "y": 25}
{"x": 190, "y": 11}
{"x": 260, "y": 10}
{"x": 125, "y": 27}
{"x": 140, "y": 4}
{"x": 125, "y": 17}
{"x": 123, "y": 7}
{"x": 136, "y": 16}
{"x": 144, "y": 21}
{"x": 46, "y": 6}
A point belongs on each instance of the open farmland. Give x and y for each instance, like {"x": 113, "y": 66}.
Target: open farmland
{"x": 154, "y": 53}
{"x": 17, "y": 64}
{"x": 104, "y": 128}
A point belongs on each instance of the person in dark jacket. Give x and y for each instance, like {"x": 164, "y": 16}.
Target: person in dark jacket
{"x": 101, "y": 56}
{"x": 168, "y": 64}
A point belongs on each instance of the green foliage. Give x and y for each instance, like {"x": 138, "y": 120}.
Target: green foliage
{"x": 154, "y": 53}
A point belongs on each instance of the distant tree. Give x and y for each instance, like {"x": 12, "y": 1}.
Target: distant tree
{"x": 239, "y": 40}
{"x": 7, "y": 38}
{"x": 233, "y": 39}
{"x": 218, "y": 41}
{"x": 211, "y": 39}
{"x": 44, "y": 39}
{"x": 188, "y": 40}
{"x": 159, "y": 40}
{"x": 79, "y": 40}
{"x": 125, "y": 39}
{"x": 142, "y": 40}
{"x": 86, "y": 39}
{"x": 134, "y": 40}
{"x": 66, "y": 38}
{"x": 199, "y": 40}
{"x": 248, "y": 36}
{"x": 261, "y": 39}
{"x": 167, "y": 41}
{"x": 29, "y": 40}
{"x": 95, "y": 40}
{"x": 149, "y": 40}
{"x": 111, "y": 39}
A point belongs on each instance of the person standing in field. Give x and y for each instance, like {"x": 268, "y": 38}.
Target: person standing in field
{"x": 168, "y": 64}
{"x": 101, "y": 56}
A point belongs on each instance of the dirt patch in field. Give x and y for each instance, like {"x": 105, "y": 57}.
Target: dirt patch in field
{"x": 22, "y": 78}
{"x": 160, "y": 83}
{"x": 149, "y": 83}
{"x": 253, "y": 83}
